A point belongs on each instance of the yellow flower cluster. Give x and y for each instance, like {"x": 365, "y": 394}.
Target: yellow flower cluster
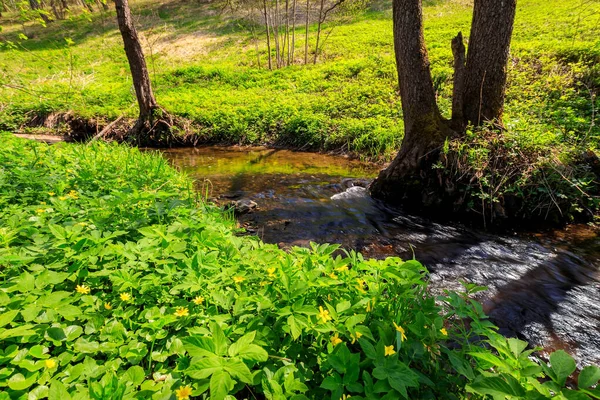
{"x": 198, "y": 300}
{"x": 238, "y": 279}
{"x": 335, "y": 340}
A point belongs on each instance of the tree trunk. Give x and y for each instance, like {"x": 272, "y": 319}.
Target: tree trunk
{"x": 320, "y": 22}
{"x": 268, "y": 34}
{"x": 306, "y": 32}
{"x": 424, "y": 128}
{"x": 137, "y": 64}
{"x": 489, "y": 44}
{"x": 35, "y": 5}
{"x": 478, "y": 96}
{"x": 293, "y": 32}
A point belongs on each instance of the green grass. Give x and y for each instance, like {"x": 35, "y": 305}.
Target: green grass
{"x": 117, "y": 283}
{"x": 204, "y": 68}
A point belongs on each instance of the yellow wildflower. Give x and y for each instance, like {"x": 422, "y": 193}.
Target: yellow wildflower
{"x": 355, "y": 337}
{"x": 389, "y": 351}
{"x": 82, "y": 289}
{"x": 198, "y": 300}
{"x": 40, "y": 211}
{"x": 50, "y": 363}
{"x": 181, "y": 312}
{"x": 271, "y": 272}
{"x": 51, "y": 193}
{"x": 345, "y": 397}
{"x": 238, "y": 279}
{"x": 402, "y": 332}
{"x": 62, "y": 198}
{"x": 361, "y": 285}
{"x": 335, "y": 340}
{"x": 264, "y": 283}
{"x": 183, "y": 392}
{"x": 125, "y": 296}
{"x": 444, "y": 331}
{"x": 333, "y": 276}
{"x": 342, "y": 268}
{"x": 370, "y": 306}
{"x": 324, "y": 315}
{"x": 108, "y": 306}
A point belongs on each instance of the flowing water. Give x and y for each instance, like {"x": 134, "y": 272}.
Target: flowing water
{"x": 544, "y": 288}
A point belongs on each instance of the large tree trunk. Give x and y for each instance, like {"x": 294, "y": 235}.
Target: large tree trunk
{"x": 424, "y": 128}
{"x": 489, "y": 44}
{"x": 137, "y": 65}
{"x": 478, "y": 96}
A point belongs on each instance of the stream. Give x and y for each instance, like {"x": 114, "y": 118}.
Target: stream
{"x": 542, "y": 287}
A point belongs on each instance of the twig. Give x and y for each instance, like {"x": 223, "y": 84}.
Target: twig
{"x": 106, "y": 129}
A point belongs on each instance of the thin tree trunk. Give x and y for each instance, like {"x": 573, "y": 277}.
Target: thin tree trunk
{"x": 137, "y": 63}
{"x": 286, "y": 41}
{"x": 320, "y": 22}
{"x": 424, "y": 128}
{"x": 276, "y": 34}
{"x": 35, "y": 5}
{"x": 489, "y": 45}
{"x": 255, "y": 39}
{"x": 268, "y": 34}
{"x": 458, "y": 51}
{"x": 306, "y": 32}
{"x": 293, "y": 31}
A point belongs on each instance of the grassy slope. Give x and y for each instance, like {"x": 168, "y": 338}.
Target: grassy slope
{"x": 348, "y": 100}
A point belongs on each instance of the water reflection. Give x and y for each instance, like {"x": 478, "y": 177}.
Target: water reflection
{"x": 543, "y": 288}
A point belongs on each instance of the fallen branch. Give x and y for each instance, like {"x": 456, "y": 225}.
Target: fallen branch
{"x": 106, "y": 129}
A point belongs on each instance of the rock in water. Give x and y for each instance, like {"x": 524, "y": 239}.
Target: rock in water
{"x": 243, "y": 206}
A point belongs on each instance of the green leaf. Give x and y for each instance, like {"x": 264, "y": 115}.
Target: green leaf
{"x": 204, "y": 367}
{"x": 7, "y": 317}
{"x": 199, "y": 346}
{"x": 588, "y": 377}
{"x": 493, "y": 386}
{"x": 332, "y": 383}
{"x": 220, "y": 385}
{"x": 218, "y": 337}
{"x": 238, "y": 370}
{"x": 516, "y": 346}
{"x": 58, "y": 391}
{"x": 134, "y": 375}
{"x": 563, "y": 365}
{"x": 295, "y": 329}
{"x": 20, "y": 382}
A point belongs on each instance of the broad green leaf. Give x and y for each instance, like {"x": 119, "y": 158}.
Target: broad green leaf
{"x": 20, "y": 382}
{"x": 588, "y": 377}
{"x": 199, "y": 346}
{"x": 220, "y": 385}
{"x": 134, "y": 375}
{"x": 7, "y": 317}
{"x": 202, "y": 368}
{"x": 58, "y": 391}
{"x": 563, "y": 365}
{"x": 238, "y": 370}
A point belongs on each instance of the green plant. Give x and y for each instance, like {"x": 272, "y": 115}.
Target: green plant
{"x": 117, "y": 282}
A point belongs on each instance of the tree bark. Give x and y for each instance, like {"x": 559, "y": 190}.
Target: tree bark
{"x": 306, "y": 32}
{"x": 489, "y": 45}
{"x": 268, "y": 34}
{"x": 319, "y": 23}
{"x": 137, "y": 63}
{"x": 424, "y": 128}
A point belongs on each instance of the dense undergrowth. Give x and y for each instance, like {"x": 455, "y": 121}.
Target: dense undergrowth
{"x": 117, "y": 282}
